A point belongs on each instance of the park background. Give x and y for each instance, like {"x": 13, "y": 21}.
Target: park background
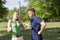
{"x": 47, "y": 10}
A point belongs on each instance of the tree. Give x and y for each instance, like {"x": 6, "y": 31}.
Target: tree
{"x": 10, "y": 13}
{"x": 39, "y": 6}
{"x": 3, "y": 9}
{"x": 46, "y": 8}
{"x": 23, "y": 13}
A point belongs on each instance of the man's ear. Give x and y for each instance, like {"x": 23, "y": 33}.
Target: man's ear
{"x": 33, "y": 13}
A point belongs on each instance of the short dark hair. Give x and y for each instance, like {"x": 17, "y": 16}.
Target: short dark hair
{"x": 32, "y": 9}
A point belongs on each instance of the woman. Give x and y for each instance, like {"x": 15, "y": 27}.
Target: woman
{"x": 14, "y": 25}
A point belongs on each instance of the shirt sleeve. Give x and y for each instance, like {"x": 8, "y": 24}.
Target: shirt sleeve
{"x": 38, "y": 20}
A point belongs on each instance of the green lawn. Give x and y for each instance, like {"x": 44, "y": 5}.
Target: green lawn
{"x": 50, "y": 33}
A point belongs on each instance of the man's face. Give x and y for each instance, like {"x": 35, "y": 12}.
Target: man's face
{"x": 30, "y": 14}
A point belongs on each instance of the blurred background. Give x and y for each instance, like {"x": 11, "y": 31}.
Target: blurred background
{"x": 47, "y": 10}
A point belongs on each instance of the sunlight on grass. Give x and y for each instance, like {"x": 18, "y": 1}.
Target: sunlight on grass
{"x": 53, "y": 25}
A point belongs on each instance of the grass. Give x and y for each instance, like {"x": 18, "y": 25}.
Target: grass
{"x": 53, "y": 24}
{"x": 50, "y": 33}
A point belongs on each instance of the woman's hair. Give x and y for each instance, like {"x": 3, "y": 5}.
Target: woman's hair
{"x": 15, "y": 11}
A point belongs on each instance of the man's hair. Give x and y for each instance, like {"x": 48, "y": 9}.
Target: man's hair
{"x": 32, "y": 9}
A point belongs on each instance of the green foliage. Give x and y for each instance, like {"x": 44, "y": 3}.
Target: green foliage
{"x": 10, "y": 13}
{"x": 46, "y": 8}
{"x": 3, "y": 9}
{"x": 22, "y": 13}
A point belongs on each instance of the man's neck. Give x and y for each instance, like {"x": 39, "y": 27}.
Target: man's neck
{"x": 32, "y": 17}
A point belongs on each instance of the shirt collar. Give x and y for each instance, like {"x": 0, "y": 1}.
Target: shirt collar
{"x": 32, "y": 18}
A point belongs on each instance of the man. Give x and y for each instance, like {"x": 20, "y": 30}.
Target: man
{"x": 37, "y": 25}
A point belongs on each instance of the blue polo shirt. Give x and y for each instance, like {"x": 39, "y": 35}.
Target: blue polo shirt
{"x": 35, "y": 25}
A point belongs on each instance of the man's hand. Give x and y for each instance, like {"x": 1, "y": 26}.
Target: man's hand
{"x": 43, "y": 25}
{"x": 39, "y": 32}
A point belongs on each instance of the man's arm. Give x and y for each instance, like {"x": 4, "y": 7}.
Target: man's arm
{"x": 43, "y": 25}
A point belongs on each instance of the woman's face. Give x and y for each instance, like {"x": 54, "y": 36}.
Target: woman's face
{"x": 15, "y": 15}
